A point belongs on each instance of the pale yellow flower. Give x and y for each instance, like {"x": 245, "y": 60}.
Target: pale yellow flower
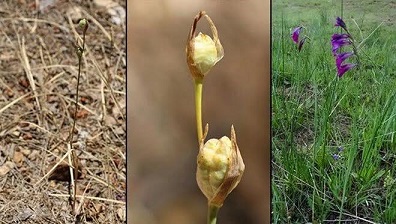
{"x": 219, "y": 168}
{"x": 202, "y": 51}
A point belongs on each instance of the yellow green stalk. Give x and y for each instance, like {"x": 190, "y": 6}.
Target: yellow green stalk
{"x": 198, "y": 84}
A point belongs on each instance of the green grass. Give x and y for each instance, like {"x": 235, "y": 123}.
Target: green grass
{"x": 315, "y": 113}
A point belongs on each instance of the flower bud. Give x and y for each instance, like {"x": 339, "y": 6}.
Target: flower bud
{"x": 219, "y": 168}
{"x": 203, "y": 52}
{"x": 83, "y": 23}
{"x": 341, "y": 23}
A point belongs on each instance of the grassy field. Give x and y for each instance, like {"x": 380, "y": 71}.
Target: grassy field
{"x": 333, "y": 139}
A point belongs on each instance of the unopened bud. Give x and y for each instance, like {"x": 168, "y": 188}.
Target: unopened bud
{"x": 203, "y": 52}
{"x": 83, "y": 23}
{"x": 220, "y": 168}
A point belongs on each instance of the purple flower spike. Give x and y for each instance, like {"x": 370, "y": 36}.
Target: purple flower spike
{"x": 344, "y": 68}
{"x": 296, "y": 34}
{"x": 338, "y": 41}
{"x": 340, "y": 22}
{"x": 342, "y": 57}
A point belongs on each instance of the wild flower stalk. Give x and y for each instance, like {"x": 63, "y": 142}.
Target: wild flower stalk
{"x": 337, "y": 42}
{"x": 296, "y": 37}
{"x": 219, "y": 162}
{"x": 73, "y": 159}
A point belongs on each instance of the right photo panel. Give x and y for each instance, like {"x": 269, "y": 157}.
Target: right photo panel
{"x": 333, "y": 111}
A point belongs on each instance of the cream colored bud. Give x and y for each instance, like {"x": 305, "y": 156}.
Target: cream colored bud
{"x": 219, "y": 168}
{"x": 83, "y": 23}
{"x": 203, "y": 52}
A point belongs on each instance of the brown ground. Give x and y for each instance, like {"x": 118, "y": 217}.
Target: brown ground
{"x": 38, "y": 77}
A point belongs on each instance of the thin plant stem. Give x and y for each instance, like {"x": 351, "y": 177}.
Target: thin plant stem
{"x": 74, "y": 163}
{"x": 77, "y": 90}
{"x": 342, "y": 8}
{"x": 76, "y": 102}
{"x": 212, "y": 214}
{"x": 198, "y": 107}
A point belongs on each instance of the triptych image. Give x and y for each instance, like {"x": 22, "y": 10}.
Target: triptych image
{"x": 163, "y": 112}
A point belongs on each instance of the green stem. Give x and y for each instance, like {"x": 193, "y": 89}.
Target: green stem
{"x": 80, "y": 53}
{"x": 74, "y": 171}
{"x": 198, "y": 107}
{"x": 212, "y": 214}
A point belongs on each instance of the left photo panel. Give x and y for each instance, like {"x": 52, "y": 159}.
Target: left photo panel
{"x": 63, "y": 111}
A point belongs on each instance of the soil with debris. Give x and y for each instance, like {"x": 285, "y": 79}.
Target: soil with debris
{"x": 38, "y": 83}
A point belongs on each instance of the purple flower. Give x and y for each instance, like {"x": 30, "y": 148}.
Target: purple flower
{"x": 338, "y": 36}
{"x": 336, "y": 156}
{"x": 342, "y": 57}
{"x": 296, "y": 34}
{"x": 339, "y": 40}
{"x": 344, "y": 68}
{"x": 340, "y": 22}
